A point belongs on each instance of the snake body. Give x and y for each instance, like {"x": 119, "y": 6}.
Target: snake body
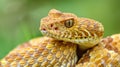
{"x": 42, "y": 52}
{"x": 63, "y": 33}
{"x": 106, "y": 54}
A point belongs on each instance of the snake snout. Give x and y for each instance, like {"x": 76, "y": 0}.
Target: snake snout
{"x": 44, "y": 31}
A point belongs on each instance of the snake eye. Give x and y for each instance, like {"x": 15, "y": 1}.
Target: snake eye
{"x": 69, "y": 23}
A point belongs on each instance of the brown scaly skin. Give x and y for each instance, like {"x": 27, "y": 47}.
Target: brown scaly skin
{"x": 42, "y": 52}
{"x": 68, "y": 27}
{"x": 106, "y": 54}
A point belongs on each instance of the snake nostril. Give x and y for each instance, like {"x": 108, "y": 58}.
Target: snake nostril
{"x": 51, "y": 25}
{"x": 56, "y": 28}
{"x": 43, "y": 29}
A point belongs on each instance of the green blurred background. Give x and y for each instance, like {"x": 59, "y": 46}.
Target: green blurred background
{"x": 19, "y": 19}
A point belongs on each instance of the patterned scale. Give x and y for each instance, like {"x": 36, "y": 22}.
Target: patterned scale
{"x": 42, "y": 52}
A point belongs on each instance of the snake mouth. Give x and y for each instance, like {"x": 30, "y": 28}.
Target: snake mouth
{"x": 66, "y": 38}
{"x": 56, "y": 36}
{"x": 82, "y": 42}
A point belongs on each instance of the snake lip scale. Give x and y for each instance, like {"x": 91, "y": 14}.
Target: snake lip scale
{"x": 76, "y": 40}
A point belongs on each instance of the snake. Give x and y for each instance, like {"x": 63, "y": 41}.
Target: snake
{"x": 66, "y": 36}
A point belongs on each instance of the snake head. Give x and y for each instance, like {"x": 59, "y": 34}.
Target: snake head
{"x": 68, "y": 27}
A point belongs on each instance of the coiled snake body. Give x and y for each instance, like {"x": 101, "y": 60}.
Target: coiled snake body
{"x": 63, "y": 33}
